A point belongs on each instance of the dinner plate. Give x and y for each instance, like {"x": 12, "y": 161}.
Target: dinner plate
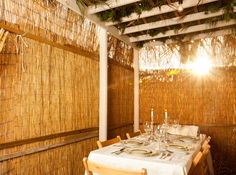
{"x": 188, "y": 140}
{"x": 141, "y": 152}
{"x": 177, "y": 147}
{"x": 131, "y": 142}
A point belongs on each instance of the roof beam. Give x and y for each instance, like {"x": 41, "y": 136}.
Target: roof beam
{"x": 112, "y": 30}
{"x": 109, "y": 5}
{"x": 221, "y": 32}
{"x": 158, "y": 11}
{"x": 196, "y": 28}
{"x": 172, "y": 21}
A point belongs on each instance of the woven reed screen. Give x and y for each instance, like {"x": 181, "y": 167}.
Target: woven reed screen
{"x": 120, "y": 51}
{"x": 62, "y": 160}
{"x": 47, "y": 95}
{"x": 52, "y": 21}
{"x": 209, "y": 102}
{"x": 120, "y": 99}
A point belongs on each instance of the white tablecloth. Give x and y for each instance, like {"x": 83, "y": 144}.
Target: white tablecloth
{"x": 179, "y": 162}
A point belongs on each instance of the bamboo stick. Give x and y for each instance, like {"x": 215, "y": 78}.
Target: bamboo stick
{"x": 3, "y": 39}
{"x": 1, "y": 33}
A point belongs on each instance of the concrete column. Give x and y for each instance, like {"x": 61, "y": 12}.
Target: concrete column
{"x": 103, "y": 66}
{"x": 136, "y": 90}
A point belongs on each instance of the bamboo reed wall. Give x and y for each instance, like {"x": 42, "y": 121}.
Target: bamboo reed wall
{"x": 120, "y": 99}
{"x": 209, "y": 102}
{"x": 48, "y": 90}
{"x": 48, "y": 108}
{"x": 120, "y": 51}
{"x": 51, "y": 21}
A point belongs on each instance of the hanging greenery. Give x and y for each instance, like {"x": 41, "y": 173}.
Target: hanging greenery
{"x": 125, "y": 11}
{"x": 145, "y": 5}
{"x": 83, "y": 4}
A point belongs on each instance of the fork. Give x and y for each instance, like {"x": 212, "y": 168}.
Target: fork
{"x": 162, "y": 155}
{"x": 119, "y": 151}
{"x": 166, "y": 155}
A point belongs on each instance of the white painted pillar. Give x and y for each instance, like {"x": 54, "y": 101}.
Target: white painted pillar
{"x": 103, "y": 65}
{"x": 136, "y": 90}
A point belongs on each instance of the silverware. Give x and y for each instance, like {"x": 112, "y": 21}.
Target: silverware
{"x": 166, "y": 155}
{"x": 119, "y": 151}
{"x": 169, "y": 151}
{"x": 162, "y": 155}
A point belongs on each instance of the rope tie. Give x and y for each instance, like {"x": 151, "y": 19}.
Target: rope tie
{"x": 20, "y": 44}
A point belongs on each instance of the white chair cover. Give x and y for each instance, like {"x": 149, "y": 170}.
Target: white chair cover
{"x": 184, "y": 130}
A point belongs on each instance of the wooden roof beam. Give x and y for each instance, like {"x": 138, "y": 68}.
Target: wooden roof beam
{"x": 158, "y": 11}
{"x": 112, "y": 30}
{"x": 196, "y": 28}
{"x": 163, "y": 19}
{"x": 176, "y": 13}
{"x": 172, "y": 21}
{"x": 196, "y": 11}
{"x": 221, "y": 32}
{"x": 109, "y": 5}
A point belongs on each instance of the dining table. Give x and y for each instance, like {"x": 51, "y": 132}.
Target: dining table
{"x": 171, "y": 156}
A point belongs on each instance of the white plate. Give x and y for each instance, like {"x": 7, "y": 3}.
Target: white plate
{"x": 141, "y": 152}
{"x": 188, "y": 140}
{"x": 131, "y": 142}
{"x": 178, "y": 148}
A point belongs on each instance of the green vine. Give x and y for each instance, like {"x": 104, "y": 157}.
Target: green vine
{"x": 125, "y": 11}
{"x": 116, "y": 14}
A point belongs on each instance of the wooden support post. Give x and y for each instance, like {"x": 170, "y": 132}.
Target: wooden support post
{"x": 136, "y": 90}
{"x": 103, "y": 85}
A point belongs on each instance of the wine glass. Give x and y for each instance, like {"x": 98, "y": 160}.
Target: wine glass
{"x": 147, "y": 127}
{"x": 175, "y": 123}
{"x": 157, "y": 130}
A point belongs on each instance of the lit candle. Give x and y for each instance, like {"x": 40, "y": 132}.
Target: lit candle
{"x": 166, "y": 115}
{"x": 152, "y": 115}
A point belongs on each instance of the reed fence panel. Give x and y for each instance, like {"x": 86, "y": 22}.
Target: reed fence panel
{"x": 209, "y": 102}
{"x": 48, "y": 107}
{"x": 120, "y": 99}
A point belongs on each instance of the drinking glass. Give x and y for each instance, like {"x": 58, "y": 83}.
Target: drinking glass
{"x": 157, "y": 130}
{"x": 147, "y": 127}
{"x": 175, "y": 123}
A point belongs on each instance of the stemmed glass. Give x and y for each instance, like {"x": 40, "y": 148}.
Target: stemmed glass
{"x": 157, "y": 130}
{"x": 147, "y": 127}
{"x": 175, "y": 123}
{"x": 160, "y": 135}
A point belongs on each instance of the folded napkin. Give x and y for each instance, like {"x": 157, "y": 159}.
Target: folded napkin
{"x": 184, "y": 130}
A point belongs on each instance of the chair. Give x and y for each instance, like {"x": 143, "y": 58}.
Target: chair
{"x": 91, "y": 168}
{"x": 197, "y": 167}
{"x": 204, "y": 162}
{"x": 108, "y": 142}
{"x": 206, "y": 143}
{"x": 206, "y": 148}
{"x": 133, "y": 134}
{"x": 195, "y": 170}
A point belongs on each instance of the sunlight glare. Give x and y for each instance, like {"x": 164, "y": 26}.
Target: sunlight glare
{"x": 202, "y": 65}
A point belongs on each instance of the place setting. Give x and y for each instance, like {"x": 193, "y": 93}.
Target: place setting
{"x": 179, "y": 148}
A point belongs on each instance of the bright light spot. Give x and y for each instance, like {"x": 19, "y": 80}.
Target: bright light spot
{"x": 201, "y": 66}
{"x": 180, "y": 8}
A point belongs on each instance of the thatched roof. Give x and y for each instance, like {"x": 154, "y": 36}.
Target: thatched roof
{"x": 138, "y": 22}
